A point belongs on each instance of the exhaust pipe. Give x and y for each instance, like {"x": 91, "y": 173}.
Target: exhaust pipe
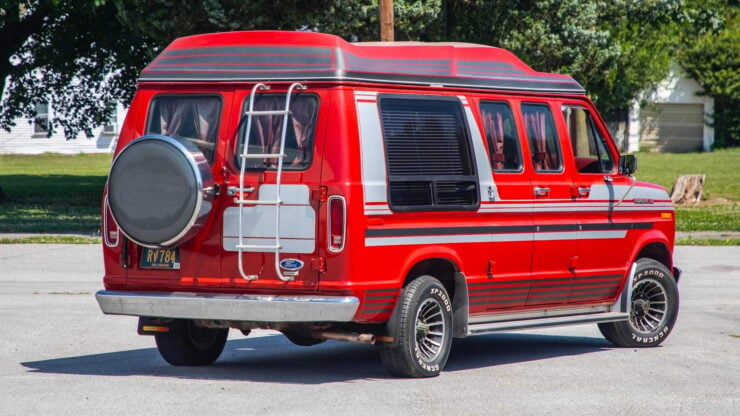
{"x": 368, "y": 339}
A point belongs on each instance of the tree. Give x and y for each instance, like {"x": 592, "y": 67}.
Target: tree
{"x": 73, "y": 54}
{"x": 711, "y": 55}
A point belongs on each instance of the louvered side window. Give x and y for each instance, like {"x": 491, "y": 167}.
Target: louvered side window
{"x": 430, "y": 165}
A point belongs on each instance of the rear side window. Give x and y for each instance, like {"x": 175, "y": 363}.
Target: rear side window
{"x": 503, "y": 142}
{"x": 194, "y": 118}
{"x": 589, "y": 147}
{"x": 266, "y": 131}
{"x": 543, "y": 139}
{"x": 430, "y": 166}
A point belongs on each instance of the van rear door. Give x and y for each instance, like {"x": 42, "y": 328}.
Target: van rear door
{"x": 250, "y": 228}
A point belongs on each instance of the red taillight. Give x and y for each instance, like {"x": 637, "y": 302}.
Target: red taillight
{"x": 110, "y": 230}
{"x": 337, "y": 223}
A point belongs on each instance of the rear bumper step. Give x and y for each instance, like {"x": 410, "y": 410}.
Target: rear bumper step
{"x": 488, "y": 327}
{"x": 255, "y": 308}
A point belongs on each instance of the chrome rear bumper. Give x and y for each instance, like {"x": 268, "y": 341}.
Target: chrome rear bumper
{"x": 255, "y": 308}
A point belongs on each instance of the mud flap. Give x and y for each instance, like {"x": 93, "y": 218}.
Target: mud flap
{"x": 460, "y": 311}
{"x": 624, "y": 301}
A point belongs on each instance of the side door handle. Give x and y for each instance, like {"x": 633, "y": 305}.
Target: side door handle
{"x": 584, "y": 191}
{"x": 541, "y": 191}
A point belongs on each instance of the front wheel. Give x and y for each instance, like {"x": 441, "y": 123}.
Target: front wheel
{"x": 654, "y": 308}
{"x": 423, "y": 334}
{"x": 187, "y": 344}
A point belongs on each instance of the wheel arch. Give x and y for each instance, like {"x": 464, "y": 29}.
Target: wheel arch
{"x": 444, "y": 266}
{"x": 654, "y": 246}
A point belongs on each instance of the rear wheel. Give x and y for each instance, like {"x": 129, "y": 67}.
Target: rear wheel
{"x": 423, "y": 334}
{"x": 187, "y": 344}
{"x": 654, "y": 308}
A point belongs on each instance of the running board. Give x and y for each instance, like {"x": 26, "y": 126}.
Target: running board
{"x": 488, "y": 327}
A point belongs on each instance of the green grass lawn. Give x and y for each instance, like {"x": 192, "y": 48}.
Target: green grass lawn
{"x": 721, "y": 210}
{"x": 59, "y": 193}
{"x": 52, "y": 192}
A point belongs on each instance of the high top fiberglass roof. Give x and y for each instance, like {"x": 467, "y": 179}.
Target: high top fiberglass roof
{"x": 282, "y": 56}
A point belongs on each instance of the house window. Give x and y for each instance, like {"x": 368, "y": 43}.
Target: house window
{"x": 112, "y": 126}
{"x": 41, "y": 120}
{"x": 430, "y": 165}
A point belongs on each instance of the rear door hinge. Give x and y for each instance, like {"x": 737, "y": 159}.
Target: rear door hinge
{"x": 318, "y": 264}
{"x": 320, "y": 194}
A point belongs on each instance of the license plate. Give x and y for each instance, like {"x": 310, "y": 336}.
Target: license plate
{"x": 160, "y": 258}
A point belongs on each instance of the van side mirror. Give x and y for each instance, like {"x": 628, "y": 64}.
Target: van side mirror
{"x": 627, "y": 164}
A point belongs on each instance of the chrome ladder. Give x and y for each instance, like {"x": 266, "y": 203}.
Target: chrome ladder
{"x": 277, "y": 202}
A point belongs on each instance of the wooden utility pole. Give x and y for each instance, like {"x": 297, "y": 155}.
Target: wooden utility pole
{"x": 386, "y": 20}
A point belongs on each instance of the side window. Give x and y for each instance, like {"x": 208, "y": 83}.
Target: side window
{"x": 266, "y": 131}
{"x": 589, "y": 148}
{"x": 430, "y": 166}
{"x": 503, "y": 142}
{"x": 543, "y": 139}
{"x": 194, "y": 118}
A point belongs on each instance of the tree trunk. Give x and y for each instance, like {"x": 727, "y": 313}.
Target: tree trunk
{"x": 688, "y": 189}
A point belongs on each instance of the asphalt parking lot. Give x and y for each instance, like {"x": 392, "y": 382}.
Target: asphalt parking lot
{"x": 60, "y": 356}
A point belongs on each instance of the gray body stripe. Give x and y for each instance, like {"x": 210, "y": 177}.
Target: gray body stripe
{"x": 488, "y": 238}
{"x": 384, "y": 232}
{"x": 237, "y": 68}
{"x": 262, "y": 50}
{"x": 246, "y": 60}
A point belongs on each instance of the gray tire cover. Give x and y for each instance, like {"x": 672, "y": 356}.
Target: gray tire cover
{"x": 158, "y": 190}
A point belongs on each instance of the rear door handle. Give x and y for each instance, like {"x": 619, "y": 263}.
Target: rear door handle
{"x": 541, "y": 191}
{"x": 584, "y": 192}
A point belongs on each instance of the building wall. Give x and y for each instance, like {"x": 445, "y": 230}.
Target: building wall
{"x": 22, "y": 139}
{"x": 675, "y": 89}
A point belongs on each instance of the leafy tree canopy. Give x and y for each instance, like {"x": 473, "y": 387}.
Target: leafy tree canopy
{"x": 84, "y": 55}
{"x": 73, "y": 54}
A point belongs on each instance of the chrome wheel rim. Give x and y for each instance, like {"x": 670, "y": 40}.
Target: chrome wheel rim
{"x": 649, "y": 306}
{"x": 430, "y": 330}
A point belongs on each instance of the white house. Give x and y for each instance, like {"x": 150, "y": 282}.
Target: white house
{"x": 672, "y": 118}
{"x": 29, "y": 136}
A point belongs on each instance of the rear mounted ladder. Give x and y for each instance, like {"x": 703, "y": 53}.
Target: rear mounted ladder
{"x": 277, "y": 202}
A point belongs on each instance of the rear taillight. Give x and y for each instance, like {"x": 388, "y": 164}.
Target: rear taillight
{"x": 337, "y": 223}
{"x": 110, "y": 230}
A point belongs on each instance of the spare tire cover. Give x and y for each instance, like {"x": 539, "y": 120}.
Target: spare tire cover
{"x": 160, "y": 190}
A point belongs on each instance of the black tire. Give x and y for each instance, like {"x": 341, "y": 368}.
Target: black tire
{"x": 301, "y": 336}
{"x": 187, "y": 344}
{"x": 423, "y": 330}
{"x": 654, "y": 308}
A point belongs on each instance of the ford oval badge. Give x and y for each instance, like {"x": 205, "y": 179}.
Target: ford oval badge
{"x": 291, "y": 264}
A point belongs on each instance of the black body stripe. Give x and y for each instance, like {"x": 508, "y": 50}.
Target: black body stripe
{"x": 413, "y": 232}
{"x": 551, "y": 279}
{"x": 380, "y": 297}
{"x": 390, "y": 290}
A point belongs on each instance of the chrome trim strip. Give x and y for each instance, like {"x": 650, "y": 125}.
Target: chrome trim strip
{"x": 254, "y": 308}
{"x": 485, "y": 328}
{"x": 538, "y": 314}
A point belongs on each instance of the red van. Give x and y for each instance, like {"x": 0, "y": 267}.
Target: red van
{"x": 398, "y": 194}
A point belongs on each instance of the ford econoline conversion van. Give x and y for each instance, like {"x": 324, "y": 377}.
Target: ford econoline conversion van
{"x": 398, "y": 194}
